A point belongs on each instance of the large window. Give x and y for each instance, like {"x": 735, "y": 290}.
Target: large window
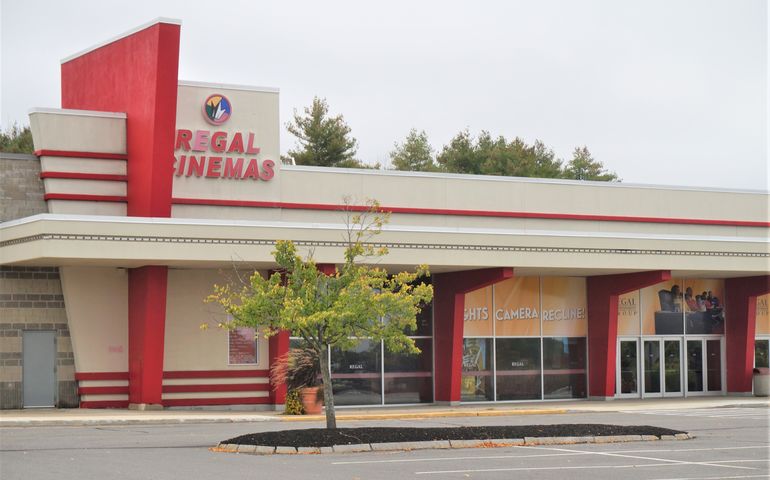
{"x": 370, "y": 374}
{"x": 564, "y": 367}
{"x": 525, "y": 339}
{"x": 518, "y": 368}
{"x": 761, "y": 351}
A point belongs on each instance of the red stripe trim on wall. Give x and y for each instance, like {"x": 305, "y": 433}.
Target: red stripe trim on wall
{"x": 85, "y": 198}
{"x": 85, "y": 176}
{"x": 101, "y": 376}
{"x": 230, "y": 387}
{"x": 191, "y": 402}
{"x": 103, "y": 390}
{"x": 469, "y": 213}
{"x": 105, "y": 404}
{"x": 216, "y": 373}
{"x": 76, "y": 154}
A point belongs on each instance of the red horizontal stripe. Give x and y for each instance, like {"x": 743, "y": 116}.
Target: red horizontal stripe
{"x": 77, "y": 154}
{"x": 191, "y": 402}
{"x": 216, "y": 373}
{"x": 86, "y": 198}
{"x": 105, "y": 404}
{"x": 468, "y": 213}
{"x": 103, "y": 390}
{"x": 101, "y": 376}
{"x": 228, "y": 387}
{"x": 85, "y": 176}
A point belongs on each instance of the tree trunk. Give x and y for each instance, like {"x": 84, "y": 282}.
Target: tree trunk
{"x": 331, "y": 419}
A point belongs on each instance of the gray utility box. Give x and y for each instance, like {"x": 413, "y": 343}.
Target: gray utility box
{"x": 762, "y": 382}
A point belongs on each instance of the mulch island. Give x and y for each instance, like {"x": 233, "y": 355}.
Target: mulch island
{"x": 321, "y": 437}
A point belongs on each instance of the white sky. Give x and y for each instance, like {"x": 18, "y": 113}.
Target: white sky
{"x": 661, "y": 91}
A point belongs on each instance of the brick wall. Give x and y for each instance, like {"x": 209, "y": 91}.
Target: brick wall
{"x": 21, "y": 189}
{"x": 31, "y": 299}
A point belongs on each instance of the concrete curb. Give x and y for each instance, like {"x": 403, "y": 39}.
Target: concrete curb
{"x": 418, "y": 415}
{"x": 444, "y": 444}
{"x": 85, "y": 422}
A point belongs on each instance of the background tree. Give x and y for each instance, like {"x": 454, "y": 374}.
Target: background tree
{"x": 358, "y": 300}
{"x": 16, "y": 140}
{"x": 324, "y": 140}
{"x": 584, "y": 167}
{"x": 415, "y": 154}
{"x": 461, "y": 155}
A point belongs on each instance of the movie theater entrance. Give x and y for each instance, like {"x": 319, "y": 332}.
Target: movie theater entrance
{"x": 669, "y": 366}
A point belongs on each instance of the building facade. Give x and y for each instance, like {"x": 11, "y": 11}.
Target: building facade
{"x": 145, "y": 191}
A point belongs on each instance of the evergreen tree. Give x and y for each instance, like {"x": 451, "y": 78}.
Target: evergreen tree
{"x": 584, "y": 167}
{"x": 460, "y": 156}
{"x": 324, "y": 140}
{"x": 16, "y": 140}
{"x": 415, "y": 154}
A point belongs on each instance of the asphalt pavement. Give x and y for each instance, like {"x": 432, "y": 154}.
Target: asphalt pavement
{"x": 731, "y": 442}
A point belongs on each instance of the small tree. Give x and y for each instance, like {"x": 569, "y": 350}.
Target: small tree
{"x": 332, "y": 311}
{"x": 16, "y": 140}
{"x": 324, "y": 140}
{"x": 415, "y": 154}
{"x": 584, "y": 167}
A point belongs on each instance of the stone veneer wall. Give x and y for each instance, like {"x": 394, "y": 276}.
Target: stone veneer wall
{"x": 21, "y": 188}
{"x": 31, "y": 299}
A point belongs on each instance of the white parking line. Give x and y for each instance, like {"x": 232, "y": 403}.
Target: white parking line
{"x": 713, "y": 478}
{"x": 662, "y": 462}
{"x": 571, "y": 453}
{"x": 655, "y": 459}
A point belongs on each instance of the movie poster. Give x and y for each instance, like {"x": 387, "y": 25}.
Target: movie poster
{"x": 763, "y": 320}
{"x": 564, "y": 307}
{"x": 628, "y": 314}
{"x": 517, "y": 307}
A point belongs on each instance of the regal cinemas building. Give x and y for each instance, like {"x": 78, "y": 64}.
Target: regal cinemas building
{"x": 145, "y": 191}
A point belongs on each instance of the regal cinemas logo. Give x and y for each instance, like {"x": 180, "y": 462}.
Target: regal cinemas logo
{"x": 219, "y": 154}
{"x": 627, "y": 307}
{"x": 762, "y": 306}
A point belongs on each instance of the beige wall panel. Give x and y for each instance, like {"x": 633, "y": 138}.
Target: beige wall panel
{"x": 84, "y": 187}
{"x": 514, "y": 194}
{"x": 256, "y": 393}
{"x": 83, "y": 165}
{"x": 80, "y": 132}
{"x": 77, "y": 207}
{"x": 225, "y": 213}
{"x": 96, "y": 398}
{"x": 252, "y": 112}
{"x": 187, "y": 346}
{"x": 214, "y": 381}
{"x": 97, "y": 311}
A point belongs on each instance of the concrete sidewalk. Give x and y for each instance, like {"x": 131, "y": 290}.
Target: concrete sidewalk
{"x": 64, "y": 417}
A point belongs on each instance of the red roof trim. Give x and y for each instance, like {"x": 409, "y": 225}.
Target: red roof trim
{"x": 85, "y": 176}
{"x": 84, "y": 198}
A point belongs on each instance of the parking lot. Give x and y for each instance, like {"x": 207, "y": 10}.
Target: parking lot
{"x": 730, "y": 443}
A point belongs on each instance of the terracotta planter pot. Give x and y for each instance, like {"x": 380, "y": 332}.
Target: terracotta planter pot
{"x": 310, "y": 400}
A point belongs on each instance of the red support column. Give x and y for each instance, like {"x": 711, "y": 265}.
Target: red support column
{"x": 740, "y": 324}
{"x": 138, "y": 74}
{"x": 449, "y": 291}
{"x": 603, "y": 293}
{"x": 278, "y": 345}
{"x": 146, "y": 333}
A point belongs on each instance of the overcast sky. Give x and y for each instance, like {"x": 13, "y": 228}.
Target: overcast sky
{"x": 666, "y": 92}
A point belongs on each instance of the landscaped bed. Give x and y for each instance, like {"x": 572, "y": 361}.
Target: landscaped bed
{"x": 321, "y": 437}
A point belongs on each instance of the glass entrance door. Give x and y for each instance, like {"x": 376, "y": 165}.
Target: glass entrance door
{"x": 704, "y": 366}
{"x": 652, "y": 387}
{"x": 672, "y": 368}
{"x": 661, "y": 366}
{"x": 628, "y": 369}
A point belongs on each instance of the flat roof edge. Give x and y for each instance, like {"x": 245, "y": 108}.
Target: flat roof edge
{"x": 79, "y": 113}
{"x": 228, "y": 86}
{"x": 169, "y": 21}
{"x": 497, "y": 178}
